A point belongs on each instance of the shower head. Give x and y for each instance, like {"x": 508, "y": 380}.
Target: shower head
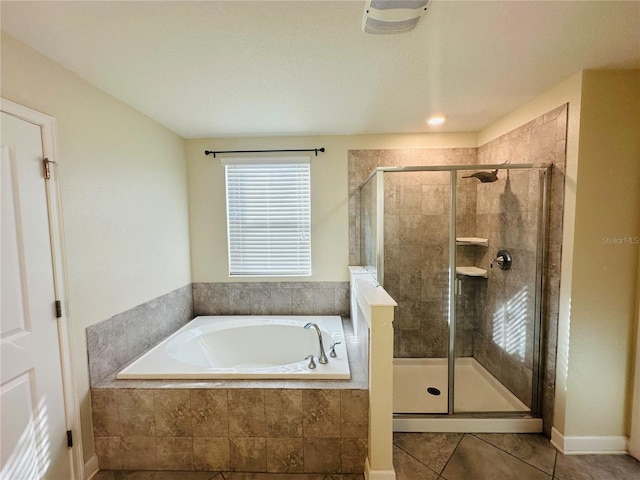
{"x": 485, "y": 177}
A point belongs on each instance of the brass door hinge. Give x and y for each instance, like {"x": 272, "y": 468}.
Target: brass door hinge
{"x": 47, "y": 168}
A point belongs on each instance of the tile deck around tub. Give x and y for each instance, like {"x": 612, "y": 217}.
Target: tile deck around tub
{"x": 266, "y": 426}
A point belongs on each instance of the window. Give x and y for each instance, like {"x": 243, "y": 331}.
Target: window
{"x": 268, "y": 216}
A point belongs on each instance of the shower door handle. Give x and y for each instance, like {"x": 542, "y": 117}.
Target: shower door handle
{"x": 457, "y": 287}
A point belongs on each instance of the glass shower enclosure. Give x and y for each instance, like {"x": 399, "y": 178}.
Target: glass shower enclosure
{"x": 461, "y": 250}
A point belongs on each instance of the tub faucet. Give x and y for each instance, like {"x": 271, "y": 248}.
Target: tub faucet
{"x": 312, "y": 364}
{"x": 322, "y": 358}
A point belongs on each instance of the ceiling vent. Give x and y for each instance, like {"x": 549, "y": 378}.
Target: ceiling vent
{"x": 384, "y": 17}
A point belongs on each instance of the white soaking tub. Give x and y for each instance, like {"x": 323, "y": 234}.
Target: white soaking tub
{"x": 245, "y": 347}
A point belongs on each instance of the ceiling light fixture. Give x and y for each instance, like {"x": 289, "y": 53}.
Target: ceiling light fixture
{"x": 393, "y": 16}
{"x": 436, "y": 120}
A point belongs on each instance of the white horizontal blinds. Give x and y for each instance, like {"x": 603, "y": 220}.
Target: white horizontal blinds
{"x": 268, "y": 216}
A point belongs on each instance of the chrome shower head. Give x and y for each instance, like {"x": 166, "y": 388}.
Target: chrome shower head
{"x": 485, "y": 177}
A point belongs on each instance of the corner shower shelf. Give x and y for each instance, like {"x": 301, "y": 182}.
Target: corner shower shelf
{"x": 481, "y": 242}
{"x": 472, "y": 272}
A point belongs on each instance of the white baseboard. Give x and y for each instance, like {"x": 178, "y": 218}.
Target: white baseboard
{"x": 91, "y": 467}
{"x": 602, "y": 445}
{"x": 378, "y": 474}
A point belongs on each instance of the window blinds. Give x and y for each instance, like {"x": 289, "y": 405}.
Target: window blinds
{"x": 268, "y": 216}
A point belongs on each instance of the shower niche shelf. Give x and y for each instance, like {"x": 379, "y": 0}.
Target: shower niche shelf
{"x": 472, "y": 272}
{"x": 480, "y": 242}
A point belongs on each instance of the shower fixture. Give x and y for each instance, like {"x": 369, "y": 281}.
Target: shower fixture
{"x": 485, "y": 177}
{"x": 503, "y": 259}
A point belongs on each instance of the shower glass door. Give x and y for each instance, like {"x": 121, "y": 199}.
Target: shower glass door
{"x": 416, "y": 246}
{"x": 498, "y": 267}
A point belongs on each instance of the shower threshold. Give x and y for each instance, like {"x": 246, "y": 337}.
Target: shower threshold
{"x": 482, "y": 403}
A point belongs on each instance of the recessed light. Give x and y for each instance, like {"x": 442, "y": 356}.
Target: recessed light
{"x": 436, "y": 119}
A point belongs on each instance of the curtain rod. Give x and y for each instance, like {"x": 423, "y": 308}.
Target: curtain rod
{"x": 214, "y": 153}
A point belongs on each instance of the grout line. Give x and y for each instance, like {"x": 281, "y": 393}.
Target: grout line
{"x": 451, "y": 456}
{"x": 417, "y": 460}
{"x": 514, "y": 456}
{"x": 555, "y": 462}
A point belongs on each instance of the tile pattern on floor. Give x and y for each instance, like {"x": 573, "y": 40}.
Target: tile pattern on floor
{"x": 448, "y": 456}
{"x": 452, "y": 456}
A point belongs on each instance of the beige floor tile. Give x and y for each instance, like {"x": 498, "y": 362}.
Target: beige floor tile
{"x": 408, "y": 468}
{"x": 534, "y": 448}
{"x": 477, "y": 460}
{"x": 431, "y": 449}
{"x": 597, "y": 467}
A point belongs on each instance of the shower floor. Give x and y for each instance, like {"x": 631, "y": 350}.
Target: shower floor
{"x": 476, "y": 390}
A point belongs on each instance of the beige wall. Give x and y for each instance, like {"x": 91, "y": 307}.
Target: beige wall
{"x": 124, "y": 198}
{"x": 604, "y": 283}
{"x": 329, "y": 197}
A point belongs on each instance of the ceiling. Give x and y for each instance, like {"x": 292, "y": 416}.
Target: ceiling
{"x": 253, "y": 68}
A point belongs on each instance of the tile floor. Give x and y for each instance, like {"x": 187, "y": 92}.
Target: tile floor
{"x": 453, "y": 456}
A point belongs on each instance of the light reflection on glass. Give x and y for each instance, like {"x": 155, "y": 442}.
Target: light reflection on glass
{"x": 510, "y": 324}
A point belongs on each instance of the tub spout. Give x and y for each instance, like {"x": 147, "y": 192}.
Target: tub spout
{"x": 322, "y": 358}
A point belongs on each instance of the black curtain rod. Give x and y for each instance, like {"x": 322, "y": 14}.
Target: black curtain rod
{"x": 214, "y": 153}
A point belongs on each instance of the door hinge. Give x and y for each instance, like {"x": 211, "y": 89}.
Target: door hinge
{"x": 47, "y": 168}
{"x": 58, "y": 309}
{"x": 69, "y": 439}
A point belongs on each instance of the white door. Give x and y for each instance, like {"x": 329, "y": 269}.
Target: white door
{"x": 33, "y": 430}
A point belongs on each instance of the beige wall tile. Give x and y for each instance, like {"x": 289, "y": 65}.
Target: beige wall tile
{"x": 353, "y": 454}
{"x": 175, "y": 453}
{"x": 248, "y": 454}
{"x": 209, "y": 413}
{"x": 283, "y": 412}
{"x": 109, "y": 452}
{"x": 104, "y": 407}
{"x": 135, "y": 407}
{"x": 211, "y": 453}
{"x": 321, "y": 413}
{"x": 172, "y": 413}
{"x": 322, "y": 455}
{"x": 285, "y": 455}
{"x": 354, "y": 413}
{"x": 246, "y": 413}
{"x": 139, "y": 453}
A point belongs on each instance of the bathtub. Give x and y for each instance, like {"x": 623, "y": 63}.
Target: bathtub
{"x": 244, "y": 347}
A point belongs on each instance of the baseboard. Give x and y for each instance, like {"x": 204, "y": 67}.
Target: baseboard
{"x": 602, "y": 445}
{"x": 377, "y": 474}
{"x": 91, "y": 467}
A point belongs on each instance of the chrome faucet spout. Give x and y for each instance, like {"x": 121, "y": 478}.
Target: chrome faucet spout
{"x": 322, "y": 358}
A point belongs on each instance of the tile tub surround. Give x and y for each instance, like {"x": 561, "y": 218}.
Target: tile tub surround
{"x": 114, "y": 342}
{"x": 248, "y": 430}
{"x": 209, "y": 425}
{"x": 271, "y": 298}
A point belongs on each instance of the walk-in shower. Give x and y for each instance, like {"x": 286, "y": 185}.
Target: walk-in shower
{"x": 464, "y": 260}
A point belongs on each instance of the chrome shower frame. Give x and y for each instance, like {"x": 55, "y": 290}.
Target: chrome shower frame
{"x": 542, "y": 230}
